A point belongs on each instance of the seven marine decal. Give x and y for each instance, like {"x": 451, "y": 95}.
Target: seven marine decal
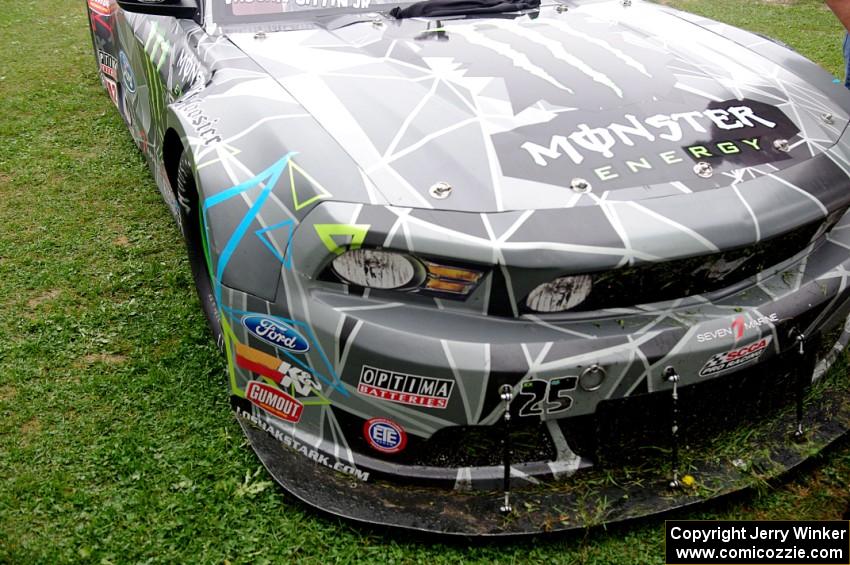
{"x": 739, "y": 325}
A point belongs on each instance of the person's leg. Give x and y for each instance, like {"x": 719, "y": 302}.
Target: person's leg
{"x": 847, "y": 60}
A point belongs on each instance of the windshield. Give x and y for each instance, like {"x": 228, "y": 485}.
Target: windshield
{"x": 247, "y": 11}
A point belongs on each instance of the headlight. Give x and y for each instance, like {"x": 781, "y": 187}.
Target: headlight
{"x": 561, "y": 294}
{"x": 376, "y": 269}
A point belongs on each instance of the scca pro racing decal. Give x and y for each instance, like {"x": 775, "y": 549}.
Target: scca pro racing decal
{"x": 724, "y": 362}
{"x": 384, "y": 435}
{"x": 414, "y": 390}
{"x": 276, "y": 333}
{"x": 274, "y": 401}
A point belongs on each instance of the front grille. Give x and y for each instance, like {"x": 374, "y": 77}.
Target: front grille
{"x": 481, "y": 446}
{"x": 670, "y": 280}
{"x": 631, "y": 430}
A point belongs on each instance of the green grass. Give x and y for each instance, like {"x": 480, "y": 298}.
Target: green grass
{"x": 116, "y": 441}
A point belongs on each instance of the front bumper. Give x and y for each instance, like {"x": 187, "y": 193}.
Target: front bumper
{"x": 737, "y": 460}
{"x": 751, "y": 329}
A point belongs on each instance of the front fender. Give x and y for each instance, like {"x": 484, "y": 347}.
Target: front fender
{"x": 261, "y": 164}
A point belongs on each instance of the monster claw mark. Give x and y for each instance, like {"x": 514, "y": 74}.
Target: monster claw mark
{"x": 157, "y": 43}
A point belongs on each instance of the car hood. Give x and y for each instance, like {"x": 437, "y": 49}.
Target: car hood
{"x": 599, "y": 101}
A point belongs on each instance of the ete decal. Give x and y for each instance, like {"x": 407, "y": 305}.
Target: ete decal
{"x": 276, "y": 333}
{"x": 402, "y": 388}
{"x": 738, "y": 327}
{"x": 723, "y": 362}
{"x": 307, "y": 451}
{"x": 628, "y": 149}
{"x": 108, "y": 64}
{"x": 274, "y": 401}
{"x": 384, "y": 435}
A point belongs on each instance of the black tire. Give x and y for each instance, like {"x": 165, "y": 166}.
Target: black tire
{"x": 191, "y": 223}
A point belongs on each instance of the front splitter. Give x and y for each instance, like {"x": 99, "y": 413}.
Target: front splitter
{"x": 588, "y": 498}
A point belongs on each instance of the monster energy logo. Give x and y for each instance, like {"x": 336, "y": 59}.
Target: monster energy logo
{"x": 669, "y": 127}
{"x": 157, "y": 43}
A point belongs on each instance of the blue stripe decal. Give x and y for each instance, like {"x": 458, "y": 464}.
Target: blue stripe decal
{"x": 286, "y": 259}
{"x": 270, "y": 176}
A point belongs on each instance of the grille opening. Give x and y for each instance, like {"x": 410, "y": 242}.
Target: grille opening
{"x": 680, "y": 278}
{"x": 481, "y": 446}
{"x": 630, "y": 431}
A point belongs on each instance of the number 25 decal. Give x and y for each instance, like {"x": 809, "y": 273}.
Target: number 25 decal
{"x": 538, "y": 397}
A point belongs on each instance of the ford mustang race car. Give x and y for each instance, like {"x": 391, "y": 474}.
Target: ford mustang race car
{"x": 491, "y": 267}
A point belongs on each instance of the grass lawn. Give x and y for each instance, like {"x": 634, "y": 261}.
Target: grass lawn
{"x": 116, "y": 440}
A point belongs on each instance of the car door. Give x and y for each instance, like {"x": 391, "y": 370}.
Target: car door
{"x": 146, "y": 63}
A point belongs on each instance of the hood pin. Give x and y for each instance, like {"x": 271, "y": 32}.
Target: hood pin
{"x": 782, "y": 145}
{"x": 580, "y": 185}
{"x": 704, "y": 170}
{"x": 440, "y": 190}
{"x": 828, "y": 119}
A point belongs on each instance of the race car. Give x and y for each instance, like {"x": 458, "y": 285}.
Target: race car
{"x": 489, "y": 267}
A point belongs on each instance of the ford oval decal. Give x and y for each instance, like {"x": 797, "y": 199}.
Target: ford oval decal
{"x": 276, "y": 333}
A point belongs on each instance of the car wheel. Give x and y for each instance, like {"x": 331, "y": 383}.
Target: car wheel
{"x": 194, "y": 232}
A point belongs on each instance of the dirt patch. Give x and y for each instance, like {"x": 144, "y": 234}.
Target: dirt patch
{"x": 105, "y": 358}
{"x": 8, "y": 392}
{"x": 29, "y": 429}
{"x": 121, "y": 241}
{"x": 44, "y": 297}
